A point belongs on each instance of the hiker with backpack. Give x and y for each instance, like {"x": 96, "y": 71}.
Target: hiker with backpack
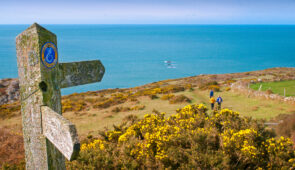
{"x": 219, "y": 101}
{"x": 211, "y": 94}
{"x": 212, "y": 101}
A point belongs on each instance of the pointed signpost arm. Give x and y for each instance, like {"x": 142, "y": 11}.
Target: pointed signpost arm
{"x": 78, "y": 73}
{"x": 61, "y": 132}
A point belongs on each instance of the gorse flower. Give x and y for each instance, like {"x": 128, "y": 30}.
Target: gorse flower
{"x": 96, "y": 144}
{"x": 189, "y": 139}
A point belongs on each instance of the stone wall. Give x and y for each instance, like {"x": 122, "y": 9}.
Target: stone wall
{"x": 243, "y": 87}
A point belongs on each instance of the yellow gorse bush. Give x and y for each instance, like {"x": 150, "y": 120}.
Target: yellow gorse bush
{"x": 188, "y": 139}
{"x": 242, "y": 141}
{"x": 96, "y": 144}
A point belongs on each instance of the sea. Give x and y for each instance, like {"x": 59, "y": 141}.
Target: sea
{"x": 135, "y": 55}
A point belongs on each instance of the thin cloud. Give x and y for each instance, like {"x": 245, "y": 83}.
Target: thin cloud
{"x": 147, "y": 12}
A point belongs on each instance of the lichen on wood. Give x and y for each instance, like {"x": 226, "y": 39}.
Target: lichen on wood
{"x": 78, "y": 73}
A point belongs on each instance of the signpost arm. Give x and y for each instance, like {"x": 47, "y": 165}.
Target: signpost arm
{"x": 61, "y": 132}
{"x": 78, "y": 73}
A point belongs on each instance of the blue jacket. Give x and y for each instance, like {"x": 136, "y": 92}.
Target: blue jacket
{"x": 211, "y": 93}
{"x": 219, "y": 100}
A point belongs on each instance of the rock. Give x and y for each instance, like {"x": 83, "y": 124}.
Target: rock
{"x": 9, "y": 91}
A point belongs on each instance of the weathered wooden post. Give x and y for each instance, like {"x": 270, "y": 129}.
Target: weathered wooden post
{"x": 48, "y": 137}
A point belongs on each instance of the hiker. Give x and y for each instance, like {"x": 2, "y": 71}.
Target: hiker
{"x": 219, "y": 101}
{"x": 212, "y": 101}
{"x": 211, "y": 94}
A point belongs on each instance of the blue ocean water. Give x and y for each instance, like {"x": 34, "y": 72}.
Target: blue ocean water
{"x": 134, "y": 55}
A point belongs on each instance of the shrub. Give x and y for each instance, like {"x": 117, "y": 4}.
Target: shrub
{"x": 229, "y": 82}
{"x": 130, "y": 118}
{"x": 173, "y": 89}
{"x": 189, "y": 86}
{"x": 287, "y": 125}
{"x": 210, "y": 86}
{"x": 153, "y": 96}
{"x": 125, "y": 109}
{"x": 212, "y": 83}
{"x": 138, "y": 107}
{"x": 9, "y": 110}
{"x": 11, "y": 150}
{"x": 179, "y": 99}
{"x": 215, "y": 88}
{"x": 107, "y": 102}
{"x": 117, "y": 109}
{"x": 269, "y": 91}
{"x": 189, "y": 139}
{"x": 167, "y": 96}
{"x": 133, "y": 99}
{"x": 73, "y": 105}
{"x": 95, "y": 100}
{"x": 20, "y": 166}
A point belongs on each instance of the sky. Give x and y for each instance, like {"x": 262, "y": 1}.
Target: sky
{"x": 147, "y": 11}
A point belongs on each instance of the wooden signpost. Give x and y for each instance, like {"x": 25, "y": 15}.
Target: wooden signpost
{"x": 49, "y": 138}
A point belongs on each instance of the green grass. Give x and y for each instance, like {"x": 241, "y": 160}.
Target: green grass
{"x": 277, "y": 87}
{"x": 254, "y": 107}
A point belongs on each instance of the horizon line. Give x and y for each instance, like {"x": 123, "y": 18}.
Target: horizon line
{"x": 148, "y": 24}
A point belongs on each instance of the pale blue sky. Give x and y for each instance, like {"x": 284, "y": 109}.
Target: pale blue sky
{"x": 147, "y": 11}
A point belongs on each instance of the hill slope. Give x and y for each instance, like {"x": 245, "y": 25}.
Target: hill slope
{"x": 92, "y": 111}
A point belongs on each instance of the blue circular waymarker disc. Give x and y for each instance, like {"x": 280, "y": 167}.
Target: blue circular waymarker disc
{"x": 49, "y": 55}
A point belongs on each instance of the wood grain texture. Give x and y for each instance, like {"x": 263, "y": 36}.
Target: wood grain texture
{"x": 61, "y": 132}
{"x": 78, "y": 73}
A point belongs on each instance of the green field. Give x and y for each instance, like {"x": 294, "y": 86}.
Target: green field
{"x": 277, "y": 87}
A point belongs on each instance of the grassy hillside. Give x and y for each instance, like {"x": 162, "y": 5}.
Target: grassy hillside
{"x": 94, "y": 111}
{"x": 277, "y": 87}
